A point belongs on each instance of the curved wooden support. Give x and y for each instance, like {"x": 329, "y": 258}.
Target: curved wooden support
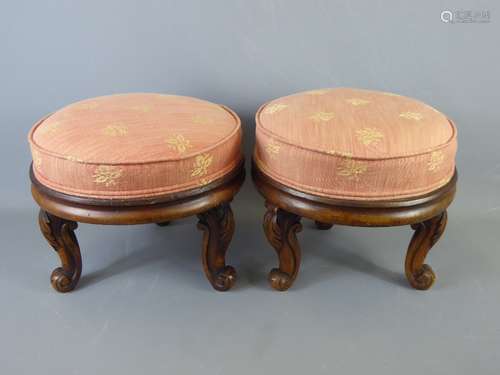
{"x": 280, "y": 228}
{"x": 60, "y": 235}
{"x": 218, "y": 228}
{"x": 323, "y": 226}
{"x": 427, "y": 233}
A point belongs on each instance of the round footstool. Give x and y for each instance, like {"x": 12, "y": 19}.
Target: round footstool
{"x": 354, "y": 157}
{"x": 135, "y": 159}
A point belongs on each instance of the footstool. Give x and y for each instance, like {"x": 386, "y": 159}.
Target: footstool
{"x": 353, "y": 157}
{"x": 136, "y": 159}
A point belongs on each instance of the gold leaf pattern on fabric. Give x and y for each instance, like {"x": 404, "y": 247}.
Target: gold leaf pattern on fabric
{"x": 202, "y": 120}
{"x": 274, "y": 108}
{"x": 317, "y": 92}
{"x": 357, "y": 102}
{"x": 179, "y": 143}
{"x": 72, "y": 158}
{"x": 204, "y": 181}
{"x": 201, "y": 164}
{"x": 351, "y": 169}
{"x": 107, "y": 175}
{"x": 390, "y": 94}
{"x": 50, "y": 128}
{"x": 368, "y": 136}
{"x": 272, "y": 148}
{"x": 37, "y": 160}
{"x": 412, "y": 116}
{"x": 142, "y": 108}
{"x": 436, "y": 159}
{"x": 322, "y": 116}
{"x": 115, "y": 130}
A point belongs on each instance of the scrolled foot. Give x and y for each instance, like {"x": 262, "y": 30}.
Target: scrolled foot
{"x": 217, "y": 225}
{"x": 420, "y": 275}
{"x": 281, "y": 228}
{"x": 323, "y": 226}
{"x": 279, "y": 280}
{"x": 59, "y": 233}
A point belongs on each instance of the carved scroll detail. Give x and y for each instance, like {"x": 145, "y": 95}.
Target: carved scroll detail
{"x": 427, "y": 233}
{"x": 280, "y": 228}
{"x": 60, "y": 235}
{"x": 217, "y": 225}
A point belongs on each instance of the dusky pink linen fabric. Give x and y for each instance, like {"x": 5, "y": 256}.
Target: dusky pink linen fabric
{"x": 355, "y": 144}
{"x": 135, "y": 145}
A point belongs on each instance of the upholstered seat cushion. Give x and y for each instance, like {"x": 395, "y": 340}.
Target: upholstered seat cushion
{"x": 135, "y": 145}
{"x": 355, "y": 144}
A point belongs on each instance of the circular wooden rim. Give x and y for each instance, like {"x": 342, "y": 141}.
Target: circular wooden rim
{"x": 359, "y": 213}
{"x": 138, "y": 211}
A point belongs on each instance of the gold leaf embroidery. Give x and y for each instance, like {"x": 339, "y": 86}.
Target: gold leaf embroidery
{"x": 179, "y": 143}
{"x": 322, "y": 116}
{"x": 357, "y": 102}
{"x": 411, "y": 116}
{"x": 367, "y": 136}
{"x": 274, "y": 108}
{"x": 317, "y": 92}
{"x": 351, "y": 169}
{"x": 87, "y": 105}
{"x": 72, "y": 158}
{"x": 390, "y": 94}
{"x": 201, "y": 164}
{"x": 340, "y": 153}
{"x": 204, "y": 181}
{"x": 272, "y": 148}
{"x": 107, "y": 175}
{"x": 142, "y": 108}
{"x": 435, "y": 161}
{"x": 50, "y": 128}
{"x": 115, "y": 130}
{"x": 37, "y": 160}
{"x": 202, "y": 120}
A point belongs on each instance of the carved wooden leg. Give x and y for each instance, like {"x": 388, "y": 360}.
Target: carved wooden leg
{"x": 218, "y": 228}
{"x": 323, "y": 226}
{"x": 420, "y": 275}
{"x": 281, "y": 227}
{"x": 163, "y": 224}
{"x": 60, "y": 235}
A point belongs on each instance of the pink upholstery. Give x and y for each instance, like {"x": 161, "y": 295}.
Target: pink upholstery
{"x": 355, "y": 144}
{"x": 135, "y": 145}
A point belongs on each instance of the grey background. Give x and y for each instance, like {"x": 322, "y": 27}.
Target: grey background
{"x": 143, "y": 304}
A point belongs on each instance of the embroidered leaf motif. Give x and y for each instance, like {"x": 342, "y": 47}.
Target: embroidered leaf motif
{"x": 317, "y": 92}
{"x": 201, "y": 164}
{"x": 272, "y": 148}
{"x": 351, "y": 169}
{"x": 204, "y": 181}
{"x": 179, "y": 143}
{"x": 435, "y": 161}
{"x": 357, "y": 102}
{"x": 274, "y": 108}
{"x": 50, "y": 127}
{"x": 107, "y": 175}
{"x": 368, "y": 136}
{"x": 412, "y": 116}
{"x": 142, "y": 108}
{"x": 202, "y": 120}
{"x": 115, "y": 130}
{"x": 390, "y": 94}
{"x": 322, "y": 116}
{"x": 37, "y": 160}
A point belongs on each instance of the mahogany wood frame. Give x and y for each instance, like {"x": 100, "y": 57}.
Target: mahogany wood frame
{"x": 59, "y": 214}
{"x": 286, "y": 206}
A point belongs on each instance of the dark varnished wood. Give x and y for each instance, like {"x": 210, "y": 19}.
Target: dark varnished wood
{"x": 61, "y": 236}
{"x": 217, "y": 225}
{"x": 426, "y": 214}
{"x": 60, "y": 213}
{"x": 323, "y": 226}
{"x": 427, "y": 233}
{"x": 281, "y": 228}
{"x": 163, "y": 224}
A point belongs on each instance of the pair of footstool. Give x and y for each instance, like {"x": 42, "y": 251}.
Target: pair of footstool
{"x": 336, "y": 156}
